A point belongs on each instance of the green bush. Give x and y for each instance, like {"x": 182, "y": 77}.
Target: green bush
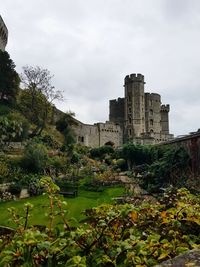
{"x": 101, "y": 152}
{"x": 35, "y": 158}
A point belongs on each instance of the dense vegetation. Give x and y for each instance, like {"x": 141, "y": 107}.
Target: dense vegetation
{"x": 119, "y": 235}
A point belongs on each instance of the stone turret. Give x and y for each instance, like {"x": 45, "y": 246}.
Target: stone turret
{"x": 116, "y": 113}
{"x": 3, "y": 34}
{"x": 134, "y": 106}
{"x": 165, "y": 119}
{"x": 152, "y": 113}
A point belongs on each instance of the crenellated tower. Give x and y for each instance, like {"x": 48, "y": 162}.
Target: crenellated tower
{"x": 141, "y": 116}
{"x": 165, "y": 119}
{"x": 134, "y": 106}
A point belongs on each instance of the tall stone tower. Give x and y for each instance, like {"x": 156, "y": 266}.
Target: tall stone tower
{"x": 165, "y": 119}
{"x": 3, "y": 34}
{"x": 152, "y": 113}
{"x": 134, "y": 106}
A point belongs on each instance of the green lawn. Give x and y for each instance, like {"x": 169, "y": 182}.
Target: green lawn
{"x": 85, "y": 200}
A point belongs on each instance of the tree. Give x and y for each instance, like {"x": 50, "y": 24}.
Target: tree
{"x": 38, "y": 95}
{"x": 9, "y": 79}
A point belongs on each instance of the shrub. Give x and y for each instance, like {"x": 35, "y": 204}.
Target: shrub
{"x": 35, "y": 158}
{"x": 101, "y": 151}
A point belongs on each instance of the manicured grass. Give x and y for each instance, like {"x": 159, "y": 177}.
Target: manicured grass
{"x": 75, "y": 207}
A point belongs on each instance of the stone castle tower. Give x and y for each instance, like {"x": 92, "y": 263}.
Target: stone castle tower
{"x": 3, "y": 34}
{"x": 141, "y": 115}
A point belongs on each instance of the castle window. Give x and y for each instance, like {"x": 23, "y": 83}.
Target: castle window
{"x": 129, "y": 120}
{"x": 151, "y": 112}
{"x": 151, "y": 122}
{"x": 130, "y": 132}
{"x": 129, "y": 109}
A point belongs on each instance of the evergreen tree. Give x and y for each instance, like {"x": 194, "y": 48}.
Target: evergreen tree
{"x": 9, "y": 79}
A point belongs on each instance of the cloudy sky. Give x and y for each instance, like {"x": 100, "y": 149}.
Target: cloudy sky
{"x": 90, "y": 45}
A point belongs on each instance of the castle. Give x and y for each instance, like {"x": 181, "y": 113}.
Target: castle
{"x": 3, "y": 35}
{"x": 139, "y": 117}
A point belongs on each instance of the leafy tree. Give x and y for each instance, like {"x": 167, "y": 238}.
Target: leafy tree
{"x": 9, "y": 79}
{"x": 38, "y": 96}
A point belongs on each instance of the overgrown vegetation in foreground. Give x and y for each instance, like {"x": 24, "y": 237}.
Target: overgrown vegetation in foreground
{"x": 112, "y": 235}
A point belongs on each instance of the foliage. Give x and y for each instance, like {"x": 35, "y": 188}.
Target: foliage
{"x": 119, "y": 164}
{"x": 9, "y": 79}
{"x": 35, "y": 157}
{"x": 29, "y": 181}
{"x": 64, "y": 125}
{"x": 5, "y": 109}
{"x": 38, "y": 95}
{"x": 135, "y": 154}
{"x": 25, "y": 125}
{"x": 171, "y": 168}
{"x": 101, "y": 152}
{"x": 119, "y": 235}
{"x": 58, "y": 164}
{"x": 4, "y": 169}
{"x": 10, "y": 130}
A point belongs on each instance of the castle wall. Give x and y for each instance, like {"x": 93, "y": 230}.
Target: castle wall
{"x": 98, "y": 134}
{"x": 3, "y": 35}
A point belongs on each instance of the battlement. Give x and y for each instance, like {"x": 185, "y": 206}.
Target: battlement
{"x": 117, "y": 101}
{"x": 153, "y": 96}
{"x": 165, "y": 108}
{"x": 134, "y": 78}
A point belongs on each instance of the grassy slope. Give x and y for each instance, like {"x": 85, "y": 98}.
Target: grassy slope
{"x": 75, "y": 206}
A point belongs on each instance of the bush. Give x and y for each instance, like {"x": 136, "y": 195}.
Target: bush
{"x": 35, "y": 158}
{"x": 101, "y": 152}
{"x": 58, "y": 164}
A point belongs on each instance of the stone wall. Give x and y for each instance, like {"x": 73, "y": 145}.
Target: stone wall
{"x": 98, "y": 134}
{"x": 192, "y": 145}
{"x": 3, "y": 34}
